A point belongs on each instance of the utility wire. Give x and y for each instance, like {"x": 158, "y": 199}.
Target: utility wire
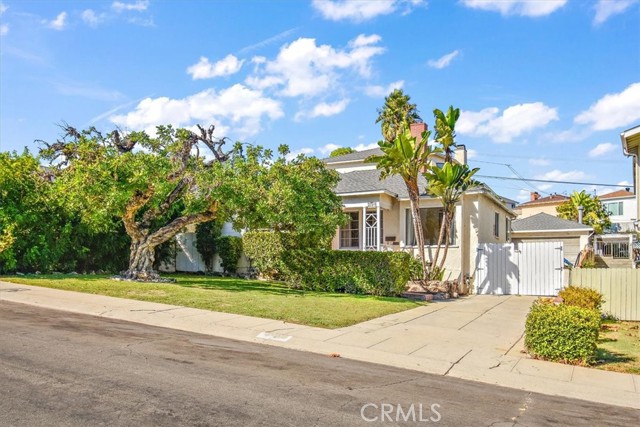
{"x": 515, "y": 172}
{"x": 552, "y": 181}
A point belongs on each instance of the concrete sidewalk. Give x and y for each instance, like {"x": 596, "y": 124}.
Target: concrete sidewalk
{"x": 477, "y": 338}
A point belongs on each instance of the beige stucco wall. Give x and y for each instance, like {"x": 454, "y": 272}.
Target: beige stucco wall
{"x": 481, "y": 209}
{"x": 527, "y": 211}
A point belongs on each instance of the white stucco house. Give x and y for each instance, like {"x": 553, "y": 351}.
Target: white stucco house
{"x": 622, "y": 208}
{"x": 380, "y": 217}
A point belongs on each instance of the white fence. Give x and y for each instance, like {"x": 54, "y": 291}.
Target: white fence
{"x": 529, "y": 268}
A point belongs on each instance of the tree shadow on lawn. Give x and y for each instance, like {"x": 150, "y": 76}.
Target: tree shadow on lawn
{"x": 62, "y": 276}
{"x": 274, "y": 288}
{"x": 607, "y": 357}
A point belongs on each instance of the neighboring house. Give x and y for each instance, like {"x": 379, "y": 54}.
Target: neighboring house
{"x": 380, "y": 217}
{"x": 630, "y": 146}
{"x": 538, "y": 204}
{"x": 543, "y": 227}
{"x": 622, "y": 209}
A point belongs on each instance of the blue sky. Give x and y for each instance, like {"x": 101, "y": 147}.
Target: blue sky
{"x": 544, "y": 86}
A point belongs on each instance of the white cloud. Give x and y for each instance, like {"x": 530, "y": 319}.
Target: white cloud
{"x": 91, "y": 18}
{"x": 541, "y": 161}
{"x": 328, "y": 148}
{"x": 138, "y": 6}
{"x": 306, "y": 151}
{"x": 443, "y": 61}
{"x": 3, "y": 8}
{"x": 362, "y": 147}
{"x": 324, "y": 109}
{"x": 382, "y": 91}
{"x": 472, "y": 154}
{"x": 206, "y": 70}
{"x": 361, "y": 10}
{"x": 4, "y": 29}
{"x": 558, "y": 175}
{"x": 513, "y": 122}
{"x": 614, "y": 110}
{"x": 602, "y": 149}
{"x": 531, "y": 8}
{"x": 58, "y": 23}
{"x": 237, "y": 107}
{"x": 608, "y": 8}
{"x": 304, "y": 69}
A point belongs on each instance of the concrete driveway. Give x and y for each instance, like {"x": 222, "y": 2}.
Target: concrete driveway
{"x": 478, "y": 329}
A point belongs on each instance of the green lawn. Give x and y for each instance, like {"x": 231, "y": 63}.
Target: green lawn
{"x": 248, "y": 297}
{"x": 619, "y": 347}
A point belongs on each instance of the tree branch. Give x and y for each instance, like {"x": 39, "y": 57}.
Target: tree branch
{"x": 129, "y": 216}
{"x": 168, "y": 231}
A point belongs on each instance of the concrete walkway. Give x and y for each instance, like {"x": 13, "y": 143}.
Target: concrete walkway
{"x": 477, "y": 338}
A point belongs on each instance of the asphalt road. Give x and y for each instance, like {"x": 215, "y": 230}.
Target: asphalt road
{"x": 64, "y": 369}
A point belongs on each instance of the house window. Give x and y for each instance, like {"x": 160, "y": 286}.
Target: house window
{"x": 350, "y": 233}
{"x": 431, "y": 220}
{"x": 614, "y": 208}
{"x": 507, "y": 227}
{"x": 496, "y": 225}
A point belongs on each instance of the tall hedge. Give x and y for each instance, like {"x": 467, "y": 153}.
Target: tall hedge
{"x": 230, "y": 251}
{"x": 264, "y": 249}
{"x": 374, "y": 273}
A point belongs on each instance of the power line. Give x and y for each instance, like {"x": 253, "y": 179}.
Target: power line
{"x": 515, "y": 172}
{"x": 552, "y": 181}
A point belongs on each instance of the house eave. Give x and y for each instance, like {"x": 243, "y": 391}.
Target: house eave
{"x": 367, "y": 193}
{"x": 566, "y": 230}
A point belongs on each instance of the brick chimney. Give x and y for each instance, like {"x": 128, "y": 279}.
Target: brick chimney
{"x": 535, "y": 196}
{"x": 417, "y": 129}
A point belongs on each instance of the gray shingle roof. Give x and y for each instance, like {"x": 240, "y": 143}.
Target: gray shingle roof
{"x": 361, "y": 181}
{"x": 358, "y": 155}
{"x": 546, "y": 222}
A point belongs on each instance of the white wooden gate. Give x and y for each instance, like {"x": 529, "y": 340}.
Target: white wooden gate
{"x": 529, "y": 268}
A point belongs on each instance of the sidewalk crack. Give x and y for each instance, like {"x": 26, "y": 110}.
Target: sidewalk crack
{"x": 456, "y": 362}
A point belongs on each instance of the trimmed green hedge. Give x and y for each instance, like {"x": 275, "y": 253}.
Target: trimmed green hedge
{"x": 562, "y": 332}
{"x": 230, "y": 251}
{"x": 373, "y": 273}
{"x": 581, "y": 297}
{"x": 265, "y": 249}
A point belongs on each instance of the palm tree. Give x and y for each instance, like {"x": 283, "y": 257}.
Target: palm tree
{"x": 594, "y": 214}
{"x": 397, "y": 111}
{"x": 407, "y": 156}
{"x": 445, "y": 130}
{"x": 449, "y": 183}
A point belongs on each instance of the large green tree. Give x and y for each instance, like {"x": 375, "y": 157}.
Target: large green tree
{"x": 396, "y": 113}
{"x": 594, "y": 213}
{"x": 407, "y": 156}
{"x": 157, "y": 186}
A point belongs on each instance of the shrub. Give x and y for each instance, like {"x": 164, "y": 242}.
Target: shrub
{"x": 264, "y": 248}
{"x": 562, "y": 333}
{"x": 581, "y": 297}
{"x": 230, "y": 251}
{"x": 374, "y": 273}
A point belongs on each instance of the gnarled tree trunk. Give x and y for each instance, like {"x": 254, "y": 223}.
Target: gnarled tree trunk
{"x": 141, "y": 261}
